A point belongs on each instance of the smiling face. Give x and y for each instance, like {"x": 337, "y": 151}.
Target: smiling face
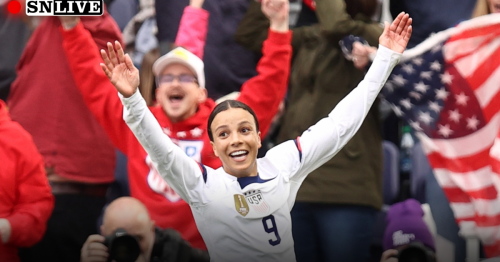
{"x": 494, "y": 6}
{"x": 236, "y": 141}
{"x": 180, "y": 97}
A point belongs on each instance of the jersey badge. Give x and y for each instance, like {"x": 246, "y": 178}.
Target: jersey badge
{"x": 241, "y": 205}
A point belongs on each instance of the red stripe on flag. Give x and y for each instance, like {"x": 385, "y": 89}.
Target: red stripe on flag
{"x": 487, "y": 221}
{"x": 462, "y": 164}
{"x": 484, "y": 193}
{"x": 492, "y": 250}
{"x": 492, "y": 108}
{"x": 456, "y": 195}
{"x": 484, "y": 71}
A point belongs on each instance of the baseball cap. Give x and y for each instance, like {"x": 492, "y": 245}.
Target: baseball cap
{"x": 405, "y": 224}
{"x": 182, "y": 56}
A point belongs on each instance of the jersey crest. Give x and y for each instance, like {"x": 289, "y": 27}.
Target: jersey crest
{"x": 256, "y": 201}
{"x": 241, "y": 205}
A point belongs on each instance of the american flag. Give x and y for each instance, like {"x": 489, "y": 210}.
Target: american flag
{"x": 448, "y": 89}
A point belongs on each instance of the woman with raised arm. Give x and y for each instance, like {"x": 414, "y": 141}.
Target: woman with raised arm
{"x": 242, "y": 209}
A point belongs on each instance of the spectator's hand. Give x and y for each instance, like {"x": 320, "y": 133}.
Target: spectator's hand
{"x": 397, "y": 35}
{"x": 5, "y": 230}
{"x": 388, "y": 256}
{"x": 68, "y": 22}
{"x": 361, "y": 54}
{"x": 196, "y": 3}
{"x": 277, "y": 13}
{"x": 120, "y": 70}
{"x": 94, "y": 250}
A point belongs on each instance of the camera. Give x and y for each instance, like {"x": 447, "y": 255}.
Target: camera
{"x": 122, "y": 247}
{"x": 416, "y": 252}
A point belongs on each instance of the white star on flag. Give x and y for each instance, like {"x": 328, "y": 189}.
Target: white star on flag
{"x": 415, "y": 95}
{"x": 446, "y": 78}
{"x": 461, "y": 99}
{"x": 408, "y": 68}
{"x": 426, "y": 75}
{"x": 418, "y": 61}
{"x": 196, "y": 132}
{"x": 455, "y": 116}
{"x": 415, "y": 125}
{"x": 420, "y": 86}
{"x": 399, "y": 80}
{"x": 445, "y": 130}
{"x": 166, "y": 130}
{"x": 436, "y": 48}
{"x": 434, "y": 106}
{"x": 425, "y": 117}
{"x": 442, "y": 93}
{"x": 181, "y": 134}
{"x": 389, "y": 86}
{"x": 436, "y": 66}
{"x": 472, "y": 122}
{"x": 397, "y": 110}
{"x": 406, "y": 103}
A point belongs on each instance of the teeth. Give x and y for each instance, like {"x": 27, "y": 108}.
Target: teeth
{"x": 238, "y": 153}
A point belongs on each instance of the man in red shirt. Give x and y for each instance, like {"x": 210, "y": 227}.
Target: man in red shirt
{"x": 79, "y": 158}
{"x": 25, "y": 199}
{"x": 183, "y": 107}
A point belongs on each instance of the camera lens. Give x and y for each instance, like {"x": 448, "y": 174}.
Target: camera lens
{"x": 125, "y": 249}
{"x": 413, "y": 254}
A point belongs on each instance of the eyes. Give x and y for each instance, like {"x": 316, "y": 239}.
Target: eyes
{"x": 225, "y": 133}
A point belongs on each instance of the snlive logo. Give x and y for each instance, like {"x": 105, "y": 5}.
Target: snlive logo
{"x": 64, "y": 7}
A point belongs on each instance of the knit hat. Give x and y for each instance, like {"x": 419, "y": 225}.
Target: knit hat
{"x": 405, "y": 224}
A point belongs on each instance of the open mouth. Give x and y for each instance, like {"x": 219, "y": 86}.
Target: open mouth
{"x": 175, "y": 98}
{"x": 239, "y": 155}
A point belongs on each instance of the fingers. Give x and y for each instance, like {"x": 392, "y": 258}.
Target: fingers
{"x": 402, "y": 24}
{"x": 408, "y": 30}
{"x": 119, "y": 52}
{"x": 387, "y": 28}
{"x": 128, "y": 63}
{"x": 359, "y": 49}
{"x": 396, "y": 22}
{"x": 106, "y": 60}
{"x": 388, "y": 254}
{"x": 106, "y": 71}
{"x": 94, "y": 250}
{"x": 112, "y": 54}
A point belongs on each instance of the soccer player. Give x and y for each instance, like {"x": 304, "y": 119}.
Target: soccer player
{"x": 182, "y": 105}
{"x": 243, "y": 208}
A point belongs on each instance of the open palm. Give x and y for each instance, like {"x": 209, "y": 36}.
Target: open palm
{"x": 120, "y": 70}
{"x": 397, "y": 35}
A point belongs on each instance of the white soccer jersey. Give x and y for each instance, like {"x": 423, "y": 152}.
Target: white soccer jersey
{"x": 248, "y": 219}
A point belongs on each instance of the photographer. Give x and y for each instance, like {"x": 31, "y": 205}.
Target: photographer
{"x": 407, "y": 238}
{"x": 128, "y": 234}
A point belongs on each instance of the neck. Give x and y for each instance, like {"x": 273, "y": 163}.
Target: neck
{"x": 249, "y": 172}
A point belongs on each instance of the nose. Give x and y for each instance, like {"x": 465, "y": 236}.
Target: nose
{"x": 236, "y": 139}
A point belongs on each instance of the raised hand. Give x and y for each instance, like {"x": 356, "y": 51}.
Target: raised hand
{"x": 277, "y": 13}
{"x": 120, "y": 70}
{"x": 397, "y": 35}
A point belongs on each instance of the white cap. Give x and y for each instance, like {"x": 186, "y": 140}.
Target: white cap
{"x": 181, "y": 56}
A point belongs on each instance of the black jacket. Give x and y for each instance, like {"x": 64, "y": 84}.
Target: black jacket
{"x": 170, "y": 247}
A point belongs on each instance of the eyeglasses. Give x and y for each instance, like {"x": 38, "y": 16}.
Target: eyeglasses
{"x": 183, "y": 79}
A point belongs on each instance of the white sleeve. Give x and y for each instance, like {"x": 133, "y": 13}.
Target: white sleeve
{"x": 182, "y": 173}
{"x": 322, "y": 141}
